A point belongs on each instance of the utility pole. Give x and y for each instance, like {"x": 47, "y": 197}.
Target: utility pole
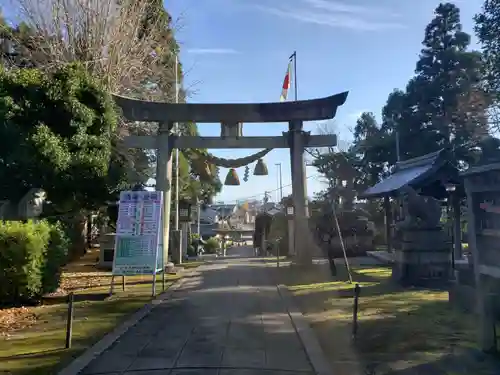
{"x": 180, "y": 236}
{"x": 198, "y": 217}
{"x": 280, "y": 182}
{"x": 396, "y": 133}
{"x": 176, "y": 150}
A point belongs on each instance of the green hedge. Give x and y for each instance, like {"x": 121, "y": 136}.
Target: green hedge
{"x": 31, "y": 257}
{"x": 211, "y": 245}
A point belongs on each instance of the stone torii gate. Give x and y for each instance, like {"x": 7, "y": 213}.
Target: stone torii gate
{"x": 231, "y": 117}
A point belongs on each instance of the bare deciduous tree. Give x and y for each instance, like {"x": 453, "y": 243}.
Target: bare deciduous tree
{"x": 123, "y": 43}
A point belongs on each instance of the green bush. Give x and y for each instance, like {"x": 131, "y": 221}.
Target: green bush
{"x": 211, "y": 245}
{"x": 56, "y": 255}
{"x": 191, "y": 250}
{"x": 31, "y": 255}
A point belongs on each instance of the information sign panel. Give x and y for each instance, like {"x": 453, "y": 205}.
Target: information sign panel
{"x": 138, "y": 230}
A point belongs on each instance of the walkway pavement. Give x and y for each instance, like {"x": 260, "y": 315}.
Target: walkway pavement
{"x": 228, "y": 320}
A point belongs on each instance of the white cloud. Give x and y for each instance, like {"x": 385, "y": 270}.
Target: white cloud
{"x": 339, "y": 7}
{"x": 338, "y": 15}
{"x": 353, "y": 116}
{"x": 212, "y": 51}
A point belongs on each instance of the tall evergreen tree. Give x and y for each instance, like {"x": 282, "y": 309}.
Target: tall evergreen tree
{"x": 487, "y": 29}
{"x": 446, "y": 89}
{"x": 370, "y": 145}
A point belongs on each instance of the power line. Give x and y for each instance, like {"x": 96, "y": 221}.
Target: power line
{"x": 271, "y": 191}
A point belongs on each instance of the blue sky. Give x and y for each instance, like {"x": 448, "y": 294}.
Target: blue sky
{"x": 237, "y": 51}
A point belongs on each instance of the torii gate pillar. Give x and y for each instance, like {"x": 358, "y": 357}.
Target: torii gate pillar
{"x": 164, "y": 179}
{"x": 294, "y": 113}
{"x": 301, "y": 232}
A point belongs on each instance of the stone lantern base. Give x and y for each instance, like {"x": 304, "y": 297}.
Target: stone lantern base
{"x": 424, "y": 258}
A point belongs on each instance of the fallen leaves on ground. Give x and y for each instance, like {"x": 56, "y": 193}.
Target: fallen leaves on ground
{"x": 80, "y": 275}
{"x": 73, "y": 281}
{"x": 15, "y": 318}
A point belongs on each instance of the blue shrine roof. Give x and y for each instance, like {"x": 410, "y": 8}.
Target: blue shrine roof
{"x": 415, "y": 172}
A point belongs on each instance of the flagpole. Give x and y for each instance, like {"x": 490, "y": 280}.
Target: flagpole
{"x": 295, "y": 73}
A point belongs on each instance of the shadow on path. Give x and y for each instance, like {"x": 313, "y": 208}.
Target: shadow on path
{"x": 227, "y": 319}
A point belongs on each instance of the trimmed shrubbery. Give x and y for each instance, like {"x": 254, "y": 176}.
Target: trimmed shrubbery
{"x": 31, "y": 257}
{"x": 211, "y": 245}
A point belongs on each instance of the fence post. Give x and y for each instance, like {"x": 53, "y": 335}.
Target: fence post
{"x": 357, "y": 291}
{"x": 277, "y": 254}
{"x": 69, "y": 322}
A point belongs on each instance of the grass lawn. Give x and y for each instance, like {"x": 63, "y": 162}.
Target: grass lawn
{"x": 32, "y": 339}
{"x": 401, "y": 331}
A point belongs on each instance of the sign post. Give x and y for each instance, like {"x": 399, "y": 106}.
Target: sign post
{"x": 139, "y": 247}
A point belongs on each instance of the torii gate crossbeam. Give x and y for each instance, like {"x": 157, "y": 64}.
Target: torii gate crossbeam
{"x": 232, "y": 115}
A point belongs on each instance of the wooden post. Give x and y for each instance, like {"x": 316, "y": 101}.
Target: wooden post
{"x": 185, "y": 239}
{"x": 163, "y": 278}
{"x": 357, "y": 291}
{"x": 388, "y": 223}
{"x": 291, "y": 238}
{"x": 457, "y": 229}
{"x": 486, "y": 340}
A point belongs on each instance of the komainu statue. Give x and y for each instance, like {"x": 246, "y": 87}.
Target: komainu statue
{"x": 420, "y": 211}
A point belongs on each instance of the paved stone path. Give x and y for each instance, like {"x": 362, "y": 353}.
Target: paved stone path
{"x": 228, "y": 320}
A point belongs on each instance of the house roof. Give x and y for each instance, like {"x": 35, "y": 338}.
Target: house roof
{"x": 429, "y": 171}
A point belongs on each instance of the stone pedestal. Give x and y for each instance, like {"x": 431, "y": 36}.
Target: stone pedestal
{"x": 175, "y": 247}
{"x": 462, "y": 293}
{"x": 107, "y": 250}
{"x": 424, "y": 258}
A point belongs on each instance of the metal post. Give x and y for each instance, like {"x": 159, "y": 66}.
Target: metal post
{"x": 153, "y": 291}
{"x": 69, "y": 322}
{"x": 177, "y": 226}
{"x": 176, "y": 150}
{"x": 277, "y": 184}
{"x": 280, "y": 182}
{"x": 295, "y": 73}
{"x": 198, "y": 218}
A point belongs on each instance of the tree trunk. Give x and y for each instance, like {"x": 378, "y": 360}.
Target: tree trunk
{"x": 77, "y": 234}
{"x": 89, "y": 238}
